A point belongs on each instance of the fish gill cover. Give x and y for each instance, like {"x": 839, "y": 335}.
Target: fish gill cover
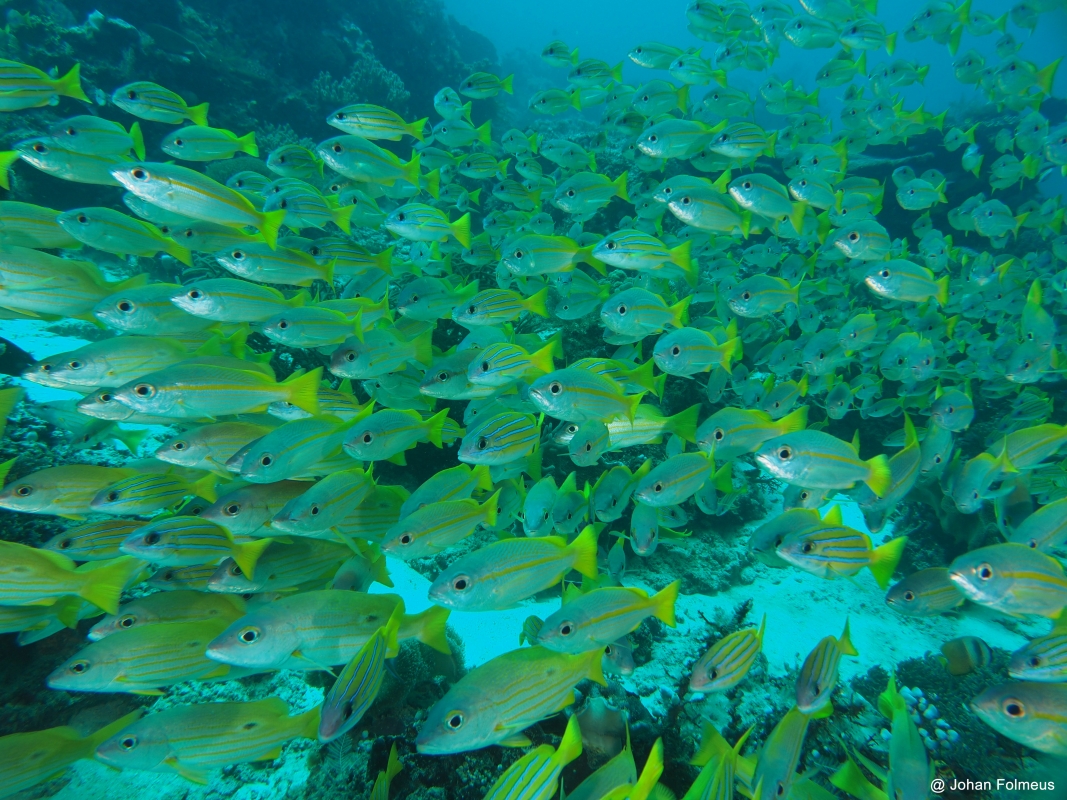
{"x": 383, "y": 421}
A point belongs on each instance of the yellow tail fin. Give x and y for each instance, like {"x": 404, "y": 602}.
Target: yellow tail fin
{"x": 304, "y": 390}
{"x": 70, "y": 85}
{"x": 430, "y": 628}
{"x": 583, "y": 549}
{"x": 663, "y": 602}
{"x": 246, "y": 554}
{"x": 198, "y": 114}
{"x": 103, "y": 586}
{"x": 884, "y": 560}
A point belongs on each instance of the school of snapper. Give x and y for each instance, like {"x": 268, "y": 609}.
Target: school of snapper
{"x": 254, "y": 532}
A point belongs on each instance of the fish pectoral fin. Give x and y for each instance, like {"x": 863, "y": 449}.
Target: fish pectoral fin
{"x": 516, "y": 740}
{"x": 315, "y": 664}
{"x": 221, "y": 671}
{"x": 272, "y": 755}
{"x": 149, "y": 692}
{"x": 189, "y": 773}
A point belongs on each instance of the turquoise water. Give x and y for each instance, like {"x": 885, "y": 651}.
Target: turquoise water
{"x": 442, "y": 400}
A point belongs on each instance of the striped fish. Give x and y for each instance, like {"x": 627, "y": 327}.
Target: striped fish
{"x": 833, "y": 550}
{"x": 360, "y": 160}
{"x": 1030, "y": 446}
{"x": 577, "y": 395}
{"x": 265, "y": 262}
{"x": 742, "y": 141}
{"x": 386, "y": 435}
{"x": 1012, "y": 578}
{"x": 502, "y": 439}
{"x": 93, "y": 541}
{"x": 197, "y": 391}
{"x": 176, "y": 579}
{"x": 675, "y": 480}
{"x": 141, "y": 495}
{"x": 374, "y": 122}
{"x": 373, "y": 518}
{"x": 600, "y": 617}
{"x": 144, "y": 659}
{"x": 457, "y": 483}
{"x": 192, "y": 194}
{"x": 1043, "y": 659}
{"x": 29, "y": 225}
{"x": 154, "y": 102}
{"x": 53, "y": 158}
{"x": 497, "y": 306}
{"x": 325, "y": 504}
{"x": 30, "y": 576}
{"x": 818, "y": 675}
{"x": 728, "y": 661}
{"x": 232, "y": 300}
{"x": 210, "y": 446}
{"x": 65, "y": 491}
{"x": 148, "y": 310}
{"x": 293, "y": 449}
{"x": 503, "y": 363}
{"x": 687, "y": 351}
{"x": 188, "y": 541}
{"x": 536, "y": 775}
{"x": 925, "y": 593}
{"x": 289, "y": 161}
{"x": 18, "y": 77}
{"x": 320, "y": 629}
{"x": 438, "y": 526}
{"x": 283, "y": 567}
{"x": 245, "y": 511}
{"x": 495, "y": 702}
{"x": 503, "y": 573}
{"x": 357, "y": 687}
{"x": 193, "y": 739}
{"x": 306, "y": 207}
{"x": 203, "y": 143}
{"x": 776, "y": 766}
{"x": 164, "y": 607}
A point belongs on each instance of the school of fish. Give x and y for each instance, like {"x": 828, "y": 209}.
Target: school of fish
{"x": 749, "y": 262}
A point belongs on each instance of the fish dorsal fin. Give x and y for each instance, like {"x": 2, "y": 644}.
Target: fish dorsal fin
{"x": 833, "y": 516}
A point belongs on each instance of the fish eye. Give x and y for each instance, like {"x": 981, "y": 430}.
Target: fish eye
{"x": 676, "y": 351}
{"x": 854, "y": 236}
{"x": 127, "y": 621}
{"x": 407, "y": 538}
{"x": 179, "y": 142}
{"x": 909, "y": 595}
{"x": 337, "y": 148}
{"x": 657, "y": 487}
{"x": 570, "y": 193}
{"x": 140, "y": 174}
{"x": 350, "y": 356}
{"x": 266, "y": 459}
{"x": 235, "y": 570}
{"x": 65, "y": 544}
{"x": 238, "y": 255}
{"x": 807, "y": 547}
{"x": 519, "y": 254}
{"x": 400, "y": 217}
{"x": 75, "y": 364}
{"x": 283, "y": 324}
{"x": 455, "y": 721}
{"x": 152, "y": 538}
{"x": 232, "y": 510}
{"x": 249, "y": 635}
{"x": 472, "y": 309}
{"x": 368, "y": 437}
{"x": 785, "y": 453}
{"x": 566, "y": 628}
{"x": 746, "y": 295}
{"x": 622, "y": 310}
{"x": 461, "y": 583}
{"x": 339, "y": 115}
{"x": 1014, "y": 708}
{"x": 125, "y": 306}
{"x": 746, "y": 185}
{"x": 105, "y": 397}
{"x": 195, "y": 294}
{"x": 442, "y": 376}
{"x": 112, "y": 497}
{"x": 1033, "y": 661}
{"x": 38, "y": 147}
{"x": 984, "y": 571}
{"x": 78, "y": 667}
{"x": 24, "y": 491}
{"x": 144, "y": 390}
